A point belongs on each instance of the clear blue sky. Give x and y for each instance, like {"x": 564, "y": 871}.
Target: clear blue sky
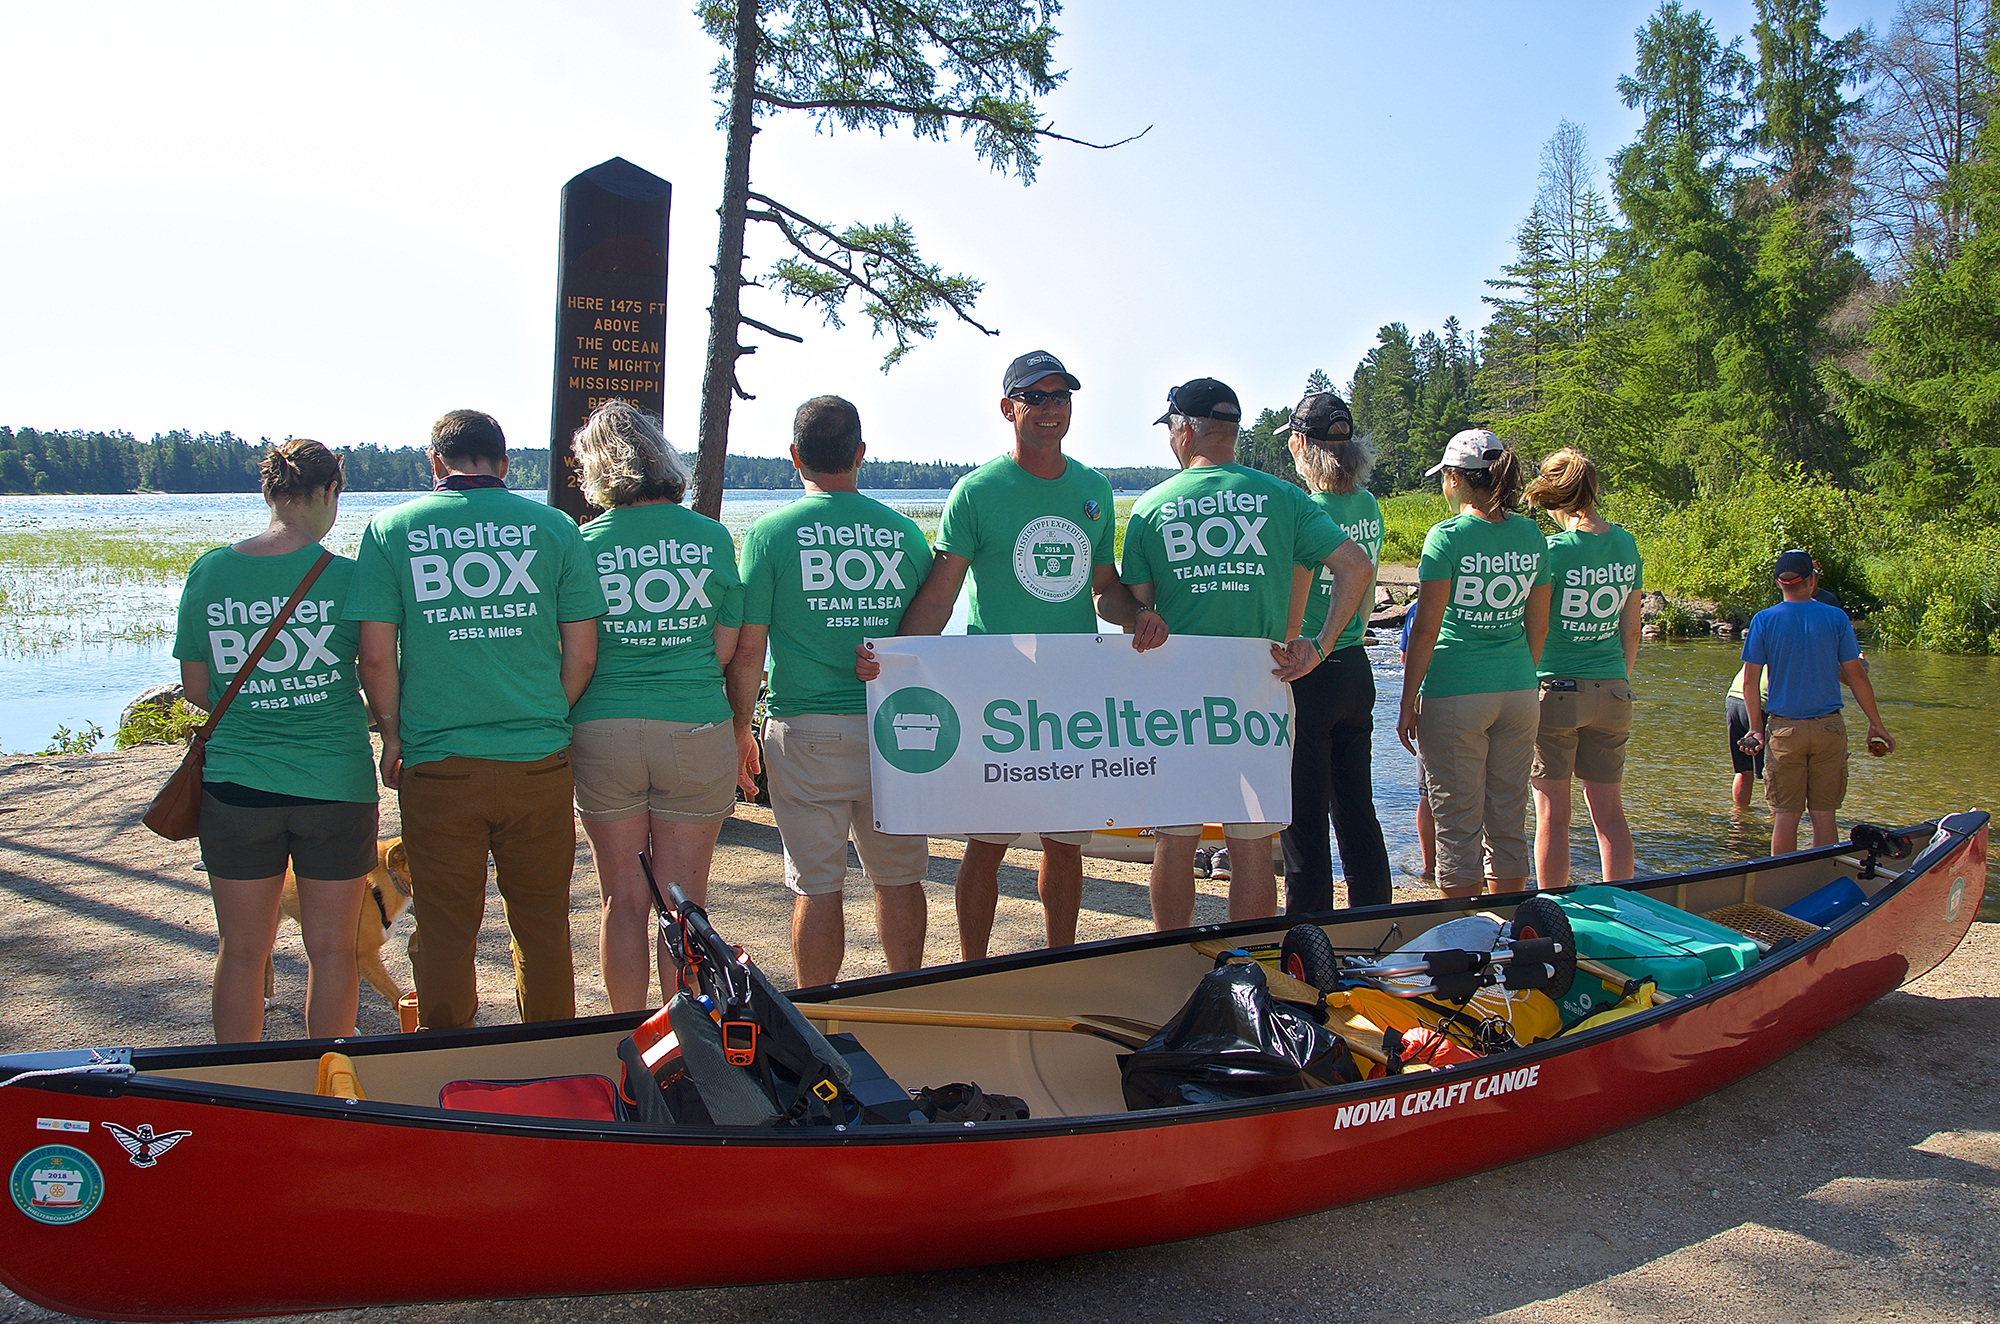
{"x": 340, "y": 221}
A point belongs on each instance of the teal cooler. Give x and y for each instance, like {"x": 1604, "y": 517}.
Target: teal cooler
{"x": 1645, "y": 939}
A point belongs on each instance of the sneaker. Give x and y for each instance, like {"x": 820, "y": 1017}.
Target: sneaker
{"x": 1218, "y": 864}
{"x": 1201, "y": 867}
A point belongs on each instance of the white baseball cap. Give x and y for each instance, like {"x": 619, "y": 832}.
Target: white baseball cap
{"x": 1474, "y": 448}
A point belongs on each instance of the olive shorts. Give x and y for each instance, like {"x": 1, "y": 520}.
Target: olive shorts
{"x": 679, "y": 772}
{"x": 820, "y": 795}
{"x": 1583, "y": 730}
{"x": 327, "y": 842}
{"x": 1805, "y": 762}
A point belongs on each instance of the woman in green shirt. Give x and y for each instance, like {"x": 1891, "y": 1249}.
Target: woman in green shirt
{"x": 1469, "y": 676}
{"x": 289, "y": 778}
{"x": 652, "y": 743}
{"x": 1586, "y": 700}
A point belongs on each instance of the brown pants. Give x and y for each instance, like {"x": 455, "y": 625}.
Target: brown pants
{"x": 456, "y": 811}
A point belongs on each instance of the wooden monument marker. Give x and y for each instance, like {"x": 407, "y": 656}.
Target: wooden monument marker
{"x": 611, "y": 308}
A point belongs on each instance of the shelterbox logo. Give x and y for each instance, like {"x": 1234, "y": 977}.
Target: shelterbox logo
{"x": 916, "y": 729}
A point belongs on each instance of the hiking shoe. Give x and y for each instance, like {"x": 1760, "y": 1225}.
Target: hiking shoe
{"x": 1201, "y": 865}
{"x": 1218, "y": 864}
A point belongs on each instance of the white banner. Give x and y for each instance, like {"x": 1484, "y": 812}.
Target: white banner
{"x": 1076, "y": 732}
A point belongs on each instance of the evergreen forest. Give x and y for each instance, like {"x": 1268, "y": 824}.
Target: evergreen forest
{"x": 1772, "y": 319}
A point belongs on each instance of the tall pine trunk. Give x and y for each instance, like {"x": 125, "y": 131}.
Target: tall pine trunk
{"x": 724, "y": 309}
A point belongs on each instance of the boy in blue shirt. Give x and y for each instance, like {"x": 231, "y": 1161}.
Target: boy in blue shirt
{"x": 1810, "y": 649}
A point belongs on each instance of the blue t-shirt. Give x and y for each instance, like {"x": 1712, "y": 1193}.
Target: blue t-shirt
{"x": 1802, "y": 645}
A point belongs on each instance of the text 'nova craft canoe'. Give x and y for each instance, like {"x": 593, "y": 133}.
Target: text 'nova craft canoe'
{"x": 140, "y": 1176}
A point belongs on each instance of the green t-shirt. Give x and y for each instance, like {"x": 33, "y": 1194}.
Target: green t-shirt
{"x": 824, "y": 573}
{"x": 1482, "y": 645}
{"x": 669, "y": 578}
{"x": 476, "y": 581}
{"x": 1033, "y": 543}
{"x": 1735, "y": 690}
{"x": 1218, "y": 542}
{"x": 1359, "y": 517}
{"x": 1591, "y": 574}
{"x": 297, "y": 727}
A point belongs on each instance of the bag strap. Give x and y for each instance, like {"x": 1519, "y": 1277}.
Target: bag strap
{"x": 263, "y": 646}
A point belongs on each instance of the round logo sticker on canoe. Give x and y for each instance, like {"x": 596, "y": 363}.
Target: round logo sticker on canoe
{"x": 916, "y": 730}
{"x": 1052, "y": 558}
{"x": 1956, "y": 900}
{"x": 56, "y": 1184}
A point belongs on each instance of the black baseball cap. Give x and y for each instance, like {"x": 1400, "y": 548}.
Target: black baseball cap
{"x": 1794, "y": 565}
{"x": 1323, "y": 416}
{"x": 1204, "y": 397}
{"x": 1031, "y": 368}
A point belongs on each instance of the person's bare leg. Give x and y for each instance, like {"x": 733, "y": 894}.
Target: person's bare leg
{"x": 1552, "y": 820}
{"x": 624, "y": 909}
{"x": 1740, "y": 789}
{"x": 1606, "y": 803}
{"x": 1253, "y": 883}
{"x": 901, "y": 917}
{"x": 1824, "y": 829}
{"x": 977, "y": 896}
{"x": 1784, "y": 831}
{"x": 819, "y": 938}
{"x": 246, "y": 923}
{"x": 683, "y": 853}
{"x": 1059, "y": 882}
{"x": 1427, "y": 836}
{"x": 329, "y": 913}
{"x": 1173, "y": 881}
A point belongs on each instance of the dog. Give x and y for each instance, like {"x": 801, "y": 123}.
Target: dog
{"x": 386, "y": 896}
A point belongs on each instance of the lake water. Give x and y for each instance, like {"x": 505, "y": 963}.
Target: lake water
{"x": 79, "y": 661}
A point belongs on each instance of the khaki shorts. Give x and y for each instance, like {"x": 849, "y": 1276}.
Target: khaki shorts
{"x": 1805, "y": 762}
{"x": 1478, "y": 750}
{"x": 1583, "y": 730}
{"x": 1009, "y": 838}
{"x": 679, "y": 772}
{"x": 820, "y": 795}
{"x": 1233, "y": 831}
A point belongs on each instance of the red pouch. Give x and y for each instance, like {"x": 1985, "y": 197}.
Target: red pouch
{"x": 585, "y": 1098}
{"x": 1426, "y": 1045}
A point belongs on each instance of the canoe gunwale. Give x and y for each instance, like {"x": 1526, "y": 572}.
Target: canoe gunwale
{"x": 1936, "y": 848}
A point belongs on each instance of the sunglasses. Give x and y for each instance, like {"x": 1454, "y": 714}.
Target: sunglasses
{"x": 1036, "y": 399}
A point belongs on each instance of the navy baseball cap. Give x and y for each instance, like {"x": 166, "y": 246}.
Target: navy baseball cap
{"x": 1031, "y": 368}
{"x": 1204, "y": 397}
{"x": 1323, "y": 416}
{"x": 1793, "y": 566}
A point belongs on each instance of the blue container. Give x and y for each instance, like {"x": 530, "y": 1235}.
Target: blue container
{"x": 1829, "y": 903}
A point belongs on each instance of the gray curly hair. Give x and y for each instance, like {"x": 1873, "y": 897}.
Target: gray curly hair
{"x": 625, "y": 458}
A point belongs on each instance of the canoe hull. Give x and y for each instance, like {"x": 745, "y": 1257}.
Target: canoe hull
{"x": 270, "y": 1209}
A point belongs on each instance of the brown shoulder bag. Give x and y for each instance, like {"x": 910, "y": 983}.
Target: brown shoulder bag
{"x": 176, "y": 811}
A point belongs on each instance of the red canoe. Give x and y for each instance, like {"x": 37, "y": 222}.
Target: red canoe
{"x": 142, "y": 1180}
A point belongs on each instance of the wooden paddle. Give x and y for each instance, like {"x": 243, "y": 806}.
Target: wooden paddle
{"x": 1118, "y": 1029}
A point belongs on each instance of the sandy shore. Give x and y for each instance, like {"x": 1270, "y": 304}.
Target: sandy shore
{"x": 1857, "y": 1180}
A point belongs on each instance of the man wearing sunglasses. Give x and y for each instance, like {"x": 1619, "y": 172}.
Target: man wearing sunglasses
{"x": 1212, "y": 549}
{"x": 1034, "y": 529}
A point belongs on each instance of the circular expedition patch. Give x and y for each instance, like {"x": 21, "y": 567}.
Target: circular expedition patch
{"x": 56, "y": 1184}
{"x": 1956, "y": 900}
{"x": 1052, "y": 558}
{"x": 916, "y": 730}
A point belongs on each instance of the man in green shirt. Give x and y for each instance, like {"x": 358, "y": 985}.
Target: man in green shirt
{"x": 1034, "y": 529}
{"x": 819, "y": 576}
{"x": 495, "y": 609}
{"x": 1212, "y": 550}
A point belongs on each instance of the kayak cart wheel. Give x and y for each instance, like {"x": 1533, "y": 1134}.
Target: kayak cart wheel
{"x": 1541, "y": 917}
{"x": 1308, "y": 954}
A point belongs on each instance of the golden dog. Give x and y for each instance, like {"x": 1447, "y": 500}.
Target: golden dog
{"x": 386, "y": 896}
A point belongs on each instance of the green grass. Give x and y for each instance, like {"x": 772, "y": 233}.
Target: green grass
{"x": 152, "y": 724}
{"x": 1405, "y": 521}
{"x": 63, "y": 587}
